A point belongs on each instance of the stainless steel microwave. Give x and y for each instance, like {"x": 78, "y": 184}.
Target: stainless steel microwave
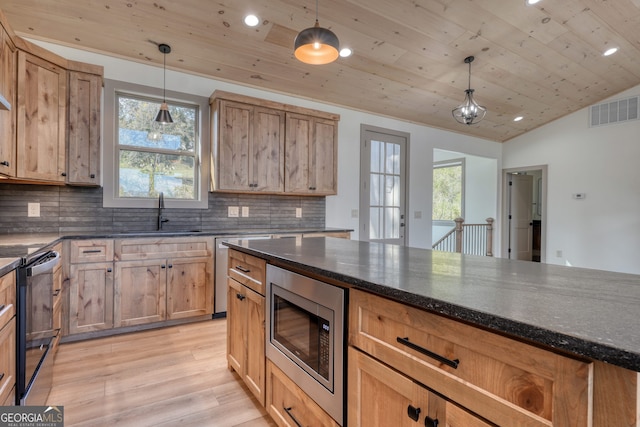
{"x": 305, "y": 335}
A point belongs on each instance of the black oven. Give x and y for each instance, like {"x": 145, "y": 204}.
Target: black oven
{"x": 305, "y": 335}
{"x": 34, "y": 332}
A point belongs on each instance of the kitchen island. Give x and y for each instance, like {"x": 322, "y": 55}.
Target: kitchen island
{"x": 586, "y": 315}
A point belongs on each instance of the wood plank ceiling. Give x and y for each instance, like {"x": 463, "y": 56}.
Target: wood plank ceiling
{"x": 541, "y": 62}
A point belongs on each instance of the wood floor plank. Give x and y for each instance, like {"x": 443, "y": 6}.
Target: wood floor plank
{"x": 162, "y": 377}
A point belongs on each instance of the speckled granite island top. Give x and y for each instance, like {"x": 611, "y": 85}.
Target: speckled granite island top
{"x": 591, "y": 313}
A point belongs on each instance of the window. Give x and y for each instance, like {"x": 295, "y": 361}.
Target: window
{"x": 448, "y": 190}
{"x": 146, "y": 158}
{"x": 155, "y": 158}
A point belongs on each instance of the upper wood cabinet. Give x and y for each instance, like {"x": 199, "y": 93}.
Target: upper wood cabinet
{"x": 41, "y": 119}
{"x": 269, "y": 147}
{"x": 310, "y": 162}
{"x": 8, "y": 58}
{"x": 248, "y": 147}
{"x": 83, "y": 129}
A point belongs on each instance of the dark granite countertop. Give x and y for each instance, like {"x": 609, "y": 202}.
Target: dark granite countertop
{"x": 31, "y": 242}
{"x": 589, "y": 313}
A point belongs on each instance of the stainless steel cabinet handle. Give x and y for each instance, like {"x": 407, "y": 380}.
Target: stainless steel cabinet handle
{"x": 405, "y": 341}
{"x": 288, "y": 411}
{"x": 243, "y": 269}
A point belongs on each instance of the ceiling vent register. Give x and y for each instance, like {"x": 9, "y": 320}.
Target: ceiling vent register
{"x": 622, "y": 110}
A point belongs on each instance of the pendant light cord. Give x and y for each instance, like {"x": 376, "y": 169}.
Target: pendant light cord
{"x": 316, "y": 10}
{"x": 469, "y": 75}
{"x": 164, "y": 77}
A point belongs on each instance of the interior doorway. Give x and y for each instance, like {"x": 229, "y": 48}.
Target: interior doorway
{"x": 524, "y": 203}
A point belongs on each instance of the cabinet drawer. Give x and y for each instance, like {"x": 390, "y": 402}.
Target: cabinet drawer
{"x": 248, "y": 270}
{"x": 289, "y": 405}
{"x": 163, "y": 247}
{"x": 502, "y": 379}
{"x": 82, "y": 251}
{"x": 7, "y": 297}
{"x": 7, "y": 359}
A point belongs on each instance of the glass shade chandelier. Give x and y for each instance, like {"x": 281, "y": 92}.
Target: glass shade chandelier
{"x": 469, "y": 112}
{"x": 163, "y": 116}
{"x": 316, "y": 45}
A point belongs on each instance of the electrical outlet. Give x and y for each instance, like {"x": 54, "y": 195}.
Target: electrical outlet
{"x": 33, "y": 209}
{"x": 245, "y": 211}
{"x": 234, "y": 212}
{"x": 559, "y": 253}
{"x": 354, "y": 213}
{"x": 298, "y": 212}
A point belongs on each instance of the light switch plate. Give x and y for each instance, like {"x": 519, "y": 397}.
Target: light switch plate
{"x": 234, "y": 212}
{"x": 298, "y": 212}
{"x": 245, "y": 211}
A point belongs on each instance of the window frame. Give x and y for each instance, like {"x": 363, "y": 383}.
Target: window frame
{"x": 445, "y": 164}
{"x": 112, "y": 88}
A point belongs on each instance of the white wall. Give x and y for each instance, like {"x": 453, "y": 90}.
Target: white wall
{"x": 423, "y": 140}
{"x": 601, "y": 231}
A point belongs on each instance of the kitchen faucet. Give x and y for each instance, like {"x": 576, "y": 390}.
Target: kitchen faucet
{"x": 161, "y": 219}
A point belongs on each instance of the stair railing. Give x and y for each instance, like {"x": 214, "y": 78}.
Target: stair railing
{"x": 474, "y": 239}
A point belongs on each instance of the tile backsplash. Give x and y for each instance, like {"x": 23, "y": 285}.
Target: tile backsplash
{"x": 79, "y": 209}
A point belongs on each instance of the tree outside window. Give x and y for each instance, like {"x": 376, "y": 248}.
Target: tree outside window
{"x": 153, "y": 158}
{"x": 448, "y": 190}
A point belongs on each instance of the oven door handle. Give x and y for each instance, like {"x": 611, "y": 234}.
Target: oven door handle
{"x": 45, "y": 267}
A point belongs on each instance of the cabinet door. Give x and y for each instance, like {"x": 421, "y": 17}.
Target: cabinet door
{"x": 140, "y": 292}
{"x": 236, "y": 325}
{"x": 41, "y": 119}
{"x": 406, "y": 402}
{"x": 7, "y": 360}
{"x": 189, "y": 287}
{"x": 232, "y": 146}
{"x": 83, "y": 152}
{"x": 90, "y": 297}
{"x": 8, "y": 57}
{"x": 254, "y": 374}
{"x": 267, "y": 150}
{"x": 310, "y": 147}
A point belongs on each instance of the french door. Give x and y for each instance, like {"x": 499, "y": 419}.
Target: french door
{"x": 383, "y": 185}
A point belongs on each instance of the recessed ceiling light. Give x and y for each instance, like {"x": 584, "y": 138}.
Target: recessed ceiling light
{"x": 345, "y": 52}
{"x": 517, "y": 119}
{"x": 528, "y": 2}
{"x": 610, "y": 51}
{"x": 251, "y": 20}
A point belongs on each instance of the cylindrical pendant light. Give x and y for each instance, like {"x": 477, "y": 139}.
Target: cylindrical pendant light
{"x": 316, "y": 45}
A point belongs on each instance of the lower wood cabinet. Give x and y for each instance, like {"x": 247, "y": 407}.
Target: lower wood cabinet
{"x": 90, "y": 297}
{"x": 246, "y": 336}
{"x": 381, "y": 396}
{"x": 289, "y": 406}
{"x": 7, "y": 339}
{"x": 189, "y": 288}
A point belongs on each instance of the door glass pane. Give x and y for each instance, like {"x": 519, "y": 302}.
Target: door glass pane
{"x": 374, "y": 223}
{"x": 376, "y": 157}
{"x": 385, "y": 190}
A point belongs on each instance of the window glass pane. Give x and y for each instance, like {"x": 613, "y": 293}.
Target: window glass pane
{"x": 376, "y": 190}
{"x": 144, "y": 174}
{"x": 376, "y": 146}
{"x": 374, "y": 223}
{"x": 391, "y": 223}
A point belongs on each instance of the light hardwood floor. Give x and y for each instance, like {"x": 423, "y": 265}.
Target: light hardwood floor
{"x": 175, "y": 376}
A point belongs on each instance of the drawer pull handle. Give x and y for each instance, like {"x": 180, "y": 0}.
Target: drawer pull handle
{"x": 288, "y": 411}
{"x": 453, "y": 363}
{"x": 109, "y": 270}
{"x": 4, "y": 163}
{"x": 91, "y": 251}
{"x": 413, "y": 412}
{"x": 56, "y": 292}
{"x": 240, "y": 297}
{"x": 430, "y": 422}
{"x": 243, "y": 269}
